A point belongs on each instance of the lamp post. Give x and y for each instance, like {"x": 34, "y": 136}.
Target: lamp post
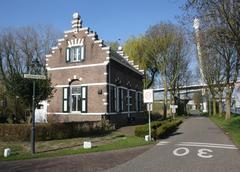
{"x": 34, "y": 64}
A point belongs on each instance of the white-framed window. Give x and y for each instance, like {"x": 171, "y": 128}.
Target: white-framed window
{"x": 75, "y": 99}
{"x": 75, "y": 54}
{"x": 119, "y": 100}
{"x": 139, "y": 101}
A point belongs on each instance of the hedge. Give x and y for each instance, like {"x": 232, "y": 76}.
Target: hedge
{"x": 22, "y": 132}
{"x": 159, "y": 129}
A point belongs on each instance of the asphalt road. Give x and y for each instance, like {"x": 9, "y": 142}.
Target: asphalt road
{"x": 198, "y": 146}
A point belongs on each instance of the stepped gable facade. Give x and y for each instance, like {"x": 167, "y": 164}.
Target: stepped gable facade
{"x": 92, "y": 81}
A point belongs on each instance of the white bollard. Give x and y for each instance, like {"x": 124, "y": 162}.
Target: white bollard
{"x": 147, "y": 138}
{"x": 7, "y": 152}
{"x": 87, "y": 145}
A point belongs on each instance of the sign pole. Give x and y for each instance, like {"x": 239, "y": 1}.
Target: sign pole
{"x": 148, "y": 99}
{"x": 149, "y": 122}
{"x": 33, "y": 119}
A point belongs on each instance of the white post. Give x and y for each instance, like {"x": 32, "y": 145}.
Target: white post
{"x": 149, "y": 121}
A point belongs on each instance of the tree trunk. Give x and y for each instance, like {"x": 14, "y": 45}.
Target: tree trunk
{"x": 220, "y": 107}
{"x": 171, "y": 102}
{"x": 214, "y": 105}
{"x": 165, "y": 100}
{"x": 228, "y": 105}
{"x": 209, "y": 106}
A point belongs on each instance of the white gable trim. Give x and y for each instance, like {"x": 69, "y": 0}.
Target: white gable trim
{"x": 76, "y": 42}
{"x": 133, "y": 69}
{"x": 86, "y": 84}
{"x": 76, "y": 67}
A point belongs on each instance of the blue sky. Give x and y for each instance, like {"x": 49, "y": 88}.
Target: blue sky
{"x": 111, "y": 19}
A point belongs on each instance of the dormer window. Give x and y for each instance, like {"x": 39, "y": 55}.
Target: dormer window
{"x": 75, "y": 54}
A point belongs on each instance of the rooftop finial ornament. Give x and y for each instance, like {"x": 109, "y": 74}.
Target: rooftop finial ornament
{"x": 76, "y": 15}
{"x": 76, "y": 22}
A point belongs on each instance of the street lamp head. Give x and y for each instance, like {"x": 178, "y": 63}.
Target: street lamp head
{"x": 36, "y": 61}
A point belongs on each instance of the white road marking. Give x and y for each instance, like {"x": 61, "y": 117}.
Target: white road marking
{"x": 208, "y": 146}
{"x": 185, "y": 151}
{"x": 162, "y": 143}
{"x": 214, "y": 144}
{"x": 203, "y": 153}
{"x": 199, "y": 118}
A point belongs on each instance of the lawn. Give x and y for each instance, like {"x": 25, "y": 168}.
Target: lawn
{"x": 115, "y": 140}
{"x": 120, "y": 139}
{"x": 232, "y": 126}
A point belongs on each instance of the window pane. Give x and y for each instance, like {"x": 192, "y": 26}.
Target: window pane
{"x": 74, "y": 102}
{"x": 79, "y": 54}
{"x": 76, "y": 90}
{"x": 79, "y": 103}
{"x": 72, "y": 54}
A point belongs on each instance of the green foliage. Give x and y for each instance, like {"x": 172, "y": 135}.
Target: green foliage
{"x": 21, "y": 132}
{"x": 166, "y": 129}
{"x": 113, "y": 44}
{"x": 23, "y": 88}
{"x": 232, "y": 126}
{"x": 137, "y": 49}
{"x": 159, "y": 129}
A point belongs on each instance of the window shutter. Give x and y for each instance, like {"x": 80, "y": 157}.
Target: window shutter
{"x": 115, "y": 99}
{"x": 82, "y": 52}
{"x": 136, "y": 96}
{"x": 67, "y": 54}
{"x": 84, "y": 99}
{"x": 65, "y": 105}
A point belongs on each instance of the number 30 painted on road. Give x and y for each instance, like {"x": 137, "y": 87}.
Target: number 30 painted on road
{"x": 182, "y": 151}
{"x": 203, "y": 153}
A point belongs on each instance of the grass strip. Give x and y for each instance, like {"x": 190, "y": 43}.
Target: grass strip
{"x": 232, "y": 126}
{"x": 125, "y": 142}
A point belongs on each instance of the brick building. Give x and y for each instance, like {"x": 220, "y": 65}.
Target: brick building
{"x": 92, "y": 81}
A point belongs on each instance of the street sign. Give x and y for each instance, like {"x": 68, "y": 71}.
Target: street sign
{"x": 149, "y": 107}
{"x": 29, "y": 76}
{"x": 148, "y": 96}
{"x": 173, "y": 108}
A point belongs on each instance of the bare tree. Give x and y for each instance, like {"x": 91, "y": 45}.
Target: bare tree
{"x": 222, "y": 17}
{"x": 224, "y": 13}
{"x": 18, "y": 48}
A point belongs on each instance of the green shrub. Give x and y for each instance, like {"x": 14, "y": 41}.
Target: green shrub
{"x": 159, "y": 129}
{"x": 22, "y": 132}
{"x": 142, "y": 130}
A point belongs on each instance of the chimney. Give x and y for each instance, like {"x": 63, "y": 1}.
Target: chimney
{"x": 120, "y": 51}
{"x": 76, "y": 22}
